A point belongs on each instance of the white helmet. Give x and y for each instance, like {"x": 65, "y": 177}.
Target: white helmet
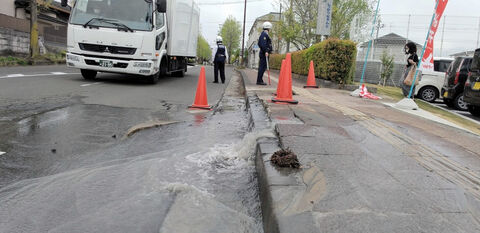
{"x": 219, "y": 39}
{"x": 267, "y": 25}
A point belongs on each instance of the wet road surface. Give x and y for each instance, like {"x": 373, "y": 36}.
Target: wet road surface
{"x": 69, "y": 166}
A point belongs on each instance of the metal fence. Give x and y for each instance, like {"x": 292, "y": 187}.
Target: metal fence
{"x": 456, "y": 36}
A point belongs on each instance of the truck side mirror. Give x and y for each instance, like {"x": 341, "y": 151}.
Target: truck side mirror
{"x": 64, "y": 3}
{"x": 162, "y": 6}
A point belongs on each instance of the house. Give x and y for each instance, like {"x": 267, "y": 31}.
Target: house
{"x": 254, "y": 34}
{"x": 393, "y": 44}
{"x": 15, "y": 26}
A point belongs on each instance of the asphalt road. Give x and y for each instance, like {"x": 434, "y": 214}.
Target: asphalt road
{"x": 67, "y": 164}
{"x": 50, "y": 109}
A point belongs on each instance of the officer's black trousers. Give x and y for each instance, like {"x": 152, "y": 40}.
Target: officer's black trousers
{"x": 262, "y": 66}
{"x": 219, "y": 66}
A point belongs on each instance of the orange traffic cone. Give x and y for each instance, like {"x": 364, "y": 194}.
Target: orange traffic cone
{"x": 311, "y": 77}
{"x": 284, "y": 89}
{"x": 201, "y": 101}
{"x": 281, "y": 76}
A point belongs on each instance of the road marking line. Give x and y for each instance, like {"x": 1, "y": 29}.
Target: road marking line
{"x": 89, "y": 84}
{"x": 1, "y": 152}
{"x": 35, "y": 75}
{"x": 15, "y": 75}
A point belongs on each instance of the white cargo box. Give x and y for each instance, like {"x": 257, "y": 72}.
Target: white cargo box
{"x": 183, "y": 18}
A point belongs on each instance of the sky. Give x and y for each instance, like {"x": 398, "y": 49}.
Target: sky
{"x": 461, "y": 25}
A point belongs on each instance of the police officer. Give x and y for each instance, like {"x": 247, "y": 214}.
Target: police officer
{"x": 265, "y": 44}
{"x": 219, "y": 56}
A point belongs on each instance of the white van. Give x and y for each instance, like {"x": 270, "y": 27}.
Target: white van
{"x": 431, "y": 83}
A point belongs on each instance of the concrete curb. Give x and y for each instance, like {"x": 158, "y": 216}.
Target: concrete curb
{"x": 456, "y": 114}
{"x": 273, "y": 182}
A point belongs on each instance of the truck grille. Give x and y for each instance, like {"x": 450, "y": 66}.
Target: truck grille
{"x": 117, "y": 65}
{"x": 107, "y": 49}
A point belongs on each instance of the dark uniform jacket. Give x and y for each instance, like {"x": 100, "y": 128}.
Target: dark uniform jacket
{"x": 265, "y": 44}
{"x": 220, "y": 54}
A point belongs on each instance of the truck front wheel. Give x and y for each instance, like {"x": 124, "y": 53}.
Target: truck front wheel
{"x": 89, "y": 74}
{"x": 153, "y": 79}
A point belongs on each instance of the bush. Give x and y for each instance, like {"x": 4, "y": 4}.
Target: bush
{"x": 334, "y": 60}
{"x": 276, "y": 60}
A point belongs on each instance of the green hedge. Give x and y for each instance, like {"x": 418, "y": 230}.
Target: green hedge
{"x": 334, "y": 60}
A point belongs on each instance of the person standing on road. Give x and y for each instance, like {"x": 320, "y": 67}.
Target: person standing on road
{"x": 412, "y": 63}
{"x": 219, "y": 56}
{"x": 265, "y": 44}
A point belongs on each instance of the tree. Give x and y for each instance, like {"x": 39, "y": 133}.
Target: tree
{"x": 204, "y": 53}
{"x": 343, "y": 14}
{"x": 298, "y": 23}
{"x": 288, "y": 28}
{"x": 231, "y": 31}
{"x": 387, "y": 67}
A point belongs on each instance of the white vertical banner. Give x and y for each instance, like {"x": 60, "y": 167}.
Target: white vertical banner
{"x": 324, "y": 17}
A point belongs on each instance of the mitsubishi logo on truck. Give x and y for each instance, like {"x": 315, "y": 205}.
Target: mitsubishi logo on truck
{"x": 106, "y": 50}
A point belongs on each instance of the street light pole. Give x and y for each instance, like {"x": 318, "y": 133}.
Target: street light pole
{"x": 243, "y": 37}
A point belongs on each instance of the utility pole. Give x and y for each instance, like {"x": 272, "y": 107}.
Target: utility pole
{"x": 443, "y": 32}
{"x": 290, "y": 23}
{"x": 478, "y": 35}
{"x": 243, "y": 37}
{"x": 408, "y": 28}
{"x": 34, "y": 49}
{"x": 278, "y": 34}
{"x": 379, "y": 25}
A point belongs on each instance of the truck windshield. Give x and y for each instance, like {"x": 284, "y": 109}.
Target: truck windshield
{"x": 135, "y": 14}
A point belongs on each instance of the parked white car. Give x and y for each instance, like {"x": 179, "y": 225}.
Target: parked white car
{"x": 431, "y": 83}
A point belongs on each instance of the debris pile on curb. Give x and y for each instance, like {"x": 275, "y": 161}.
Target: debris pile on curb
{"x": 285, "y": 158}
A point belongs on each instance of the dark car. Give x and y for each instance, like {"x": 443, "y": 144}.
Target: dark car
{"x": 472, "y": 86}
{"x": 455, "y": 77}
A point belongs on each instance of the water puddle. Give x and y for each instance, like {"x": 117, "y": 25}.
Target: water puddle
{"x": 193, "y": 176}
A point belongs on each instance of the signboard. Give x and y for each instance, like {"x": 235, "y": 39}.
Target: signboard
{"x": 324, "y": 18}
{"x": 427, "y": 59}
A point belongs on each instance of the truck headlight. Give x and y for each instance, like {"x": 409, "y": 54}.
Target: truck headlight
{"x": 73, "y": 57}
{"x": 142, "y": 64}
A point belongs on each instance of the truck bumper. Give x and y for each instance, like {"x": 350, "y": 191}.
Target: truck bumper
{"x": 112, "y": 65}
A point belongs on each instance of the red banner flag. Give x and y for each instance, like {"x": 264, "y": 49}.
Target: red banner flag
{"x": 427, "y": 59}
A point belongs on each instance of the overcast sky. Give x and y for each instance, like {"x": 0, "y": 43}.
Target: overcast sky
{"x": 461, "y": 28}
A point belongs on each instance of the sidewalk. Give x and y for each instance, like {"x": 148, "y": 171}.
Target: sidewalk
{"x": 366, "y": 167}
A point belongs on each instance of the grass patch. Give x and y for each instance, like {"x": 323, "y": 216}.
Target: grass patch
{"x": 53, "y": 58}
{"x": 13, "y": 61}
{"x": 396, "y": 94}
{"x": 460, "y": 121}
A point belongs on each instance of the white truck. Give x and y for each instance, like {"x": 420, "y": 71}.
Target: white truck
{"x": 147, "y": 38}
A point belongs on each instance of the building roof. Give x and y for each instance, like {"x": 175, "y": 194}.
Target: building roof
{"x": 53, "y": 5}
{"x": 465, "y": 53}
{"x": 62, "y": 13}
{"x": 272, "y": 16}
{"x": 389, "y": 39}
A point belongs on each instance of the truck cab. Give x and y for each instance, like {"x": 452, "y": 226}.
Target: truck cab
{"x": 131, "y": 37}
